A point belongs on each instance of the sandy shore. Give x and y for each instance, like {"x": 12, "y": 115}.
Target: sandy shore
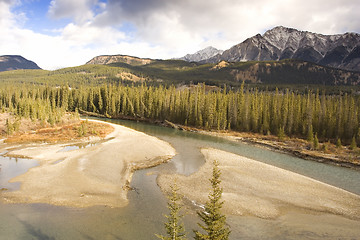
{"x": 96, "y": 175}
{"x": 256, "y": 189}
{"x": 297, "y": 147}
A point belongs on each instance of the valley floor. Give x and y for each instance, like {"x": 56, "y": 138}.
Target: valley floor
{"x": 89, "y": 176}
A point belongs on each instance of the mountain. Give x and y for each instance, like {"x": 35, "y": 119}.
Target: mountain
{"x": 201, "y": 55}
{"x": 286, "y": 71}
{"x": 108, "y": 59}
{"x": 13, "y": 62}
{"x": 340, "y": 51}
{"x": 232, "y": 72}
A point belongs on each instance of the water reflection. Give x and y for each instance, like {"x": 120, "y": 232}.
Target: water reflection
{"x": 81, "y": 145}
{"x": 11, "y": 167}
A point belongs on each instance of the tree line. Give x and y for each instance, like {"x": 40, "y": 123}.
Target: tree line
{"x": 330, "y": 117}
{"x": 29, "y": 102}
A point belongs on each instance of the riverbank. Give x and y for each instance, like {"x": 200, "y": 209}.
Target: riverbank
{"x": 326, "y": 152}
{"x": 253, "y": 188}
{"x": 82, "y": 177}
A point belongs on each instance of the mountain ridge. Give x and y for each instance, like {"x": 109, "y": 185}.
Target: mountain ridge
{"x": 14, "y": 62}
{"x": 108, "y": 59}
{"x": 340, "y": 50}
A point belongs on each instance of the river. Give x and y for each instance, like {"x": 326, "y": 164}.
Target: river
{"x": 143, "y": 217}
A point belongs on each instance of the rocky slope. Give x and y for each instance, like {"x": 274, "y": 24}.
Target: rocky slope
{"x": 108, "y": 59}
{"x": 201, "y": 55}
{"x": 292, "y": 72}
{"x": 340, "y": 51}
{"x": 13, "y": 62}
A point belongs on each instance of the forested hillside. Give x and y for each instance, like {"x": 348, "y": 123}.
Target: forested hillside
{"x": 263, "y": 75}
{"x": 330, "y": 117}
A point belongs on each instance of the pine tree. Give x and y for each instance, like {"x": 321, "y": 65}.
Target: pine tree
{"x": 214, "y": 221}
{"x": 316, "y": 142}
{"x": 174, "y": 227}
{"x": 338, "y": 143}
{"x": 353, "y": 144}
{"x": 281, "y": 133}
{"x": 9, "y": 127}
{"x": 310, "y": 134}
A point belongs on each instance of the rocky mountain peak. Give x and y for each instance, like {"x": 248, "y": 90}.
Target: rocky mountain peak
{"x": 201, "y": 55}
{"x": 289, "y": 43}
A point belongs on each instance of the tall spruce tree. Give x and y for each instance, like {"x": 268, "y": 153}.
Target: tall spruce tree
{"x": 174, "y": 226}
{"x": 214, "y": 221}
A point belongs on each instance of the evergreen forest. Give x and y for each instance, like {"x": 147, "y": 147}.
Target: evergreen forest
{"x": 329, "y": 117}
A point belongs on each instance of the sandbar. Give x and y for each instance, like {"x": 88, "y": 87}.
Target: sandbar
{"x": 96, "y": 175}
{"x": 252, "y": 188}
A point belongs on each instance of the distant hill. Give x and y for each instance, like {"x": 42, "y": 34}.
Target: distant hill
{"x": 13, "y": 62}
{"x": 201, "y": 55}
{"x": 340, "y": 51}
{"x": 108, "y": 59}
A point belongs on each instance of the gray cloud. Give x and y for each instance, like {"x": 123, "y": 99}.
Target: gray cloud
{"x": 79, "y": 10}
{"x": 230, "y": 19}
{"x": 9, "y": 1}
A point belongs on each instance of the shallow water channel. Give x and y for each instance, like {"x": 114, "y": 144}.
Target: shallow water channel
{"x": 144, "y": 215}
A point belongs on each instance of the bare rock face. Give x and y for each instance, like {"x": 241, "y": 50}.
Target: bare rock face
{"x": 340, "y": 51}
{"x": 108, "y": 59}
{"x": 13, "y": 62}
{"x": 201, "y": 55}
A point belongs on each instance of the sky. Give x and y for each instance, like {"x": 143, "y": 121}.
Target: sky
{"x": 64, "y": 33}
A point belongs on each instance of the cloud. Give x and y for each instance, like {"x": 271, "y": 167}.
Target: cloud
{"x": 86, "y": 34}
{"x": 322, "y": 16}
{"x": 229, "y": 21}
{"x": 6, "y": 17}
{"x": 79, "y": 10}
{"x": 8, "y": 2}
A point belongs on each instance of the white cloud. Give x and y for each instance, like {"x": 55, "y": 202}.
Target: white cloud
{"x": 85, "y": 34}
{"x": 6, "y": 17}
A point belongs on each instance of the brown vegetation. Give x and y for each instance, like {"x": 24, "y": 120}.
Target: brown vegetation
{"x": 69, "y": 129}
